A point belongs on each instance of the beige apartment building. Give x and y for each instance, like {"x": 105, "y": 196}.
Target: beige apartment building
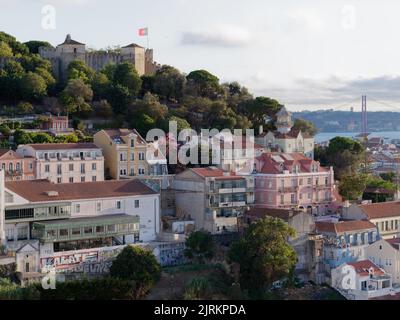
{"x": 127, "y": 154}
{"x": 65, "y": 162}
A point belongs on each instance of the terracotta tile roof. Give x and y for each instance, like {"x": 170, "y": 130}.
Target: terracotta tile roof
{"x": 62, "y": 146}
{"x": 362, "y": 267}
{"x": 69, "y": 40}
{"x": 343, "y": 226}
{"x": 273, "y": 163}
{"x": 9, "y": 154}
{"x": 381, "y": 210}
{"x": 38, "y": 190}
{"x": 284, "y": 214}
{"x": 394, "y": 242}
{"x": 217, "y": 173}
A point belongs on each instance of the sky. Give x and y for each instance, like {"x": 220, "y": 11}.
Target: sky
{"x": 307, "y": 54}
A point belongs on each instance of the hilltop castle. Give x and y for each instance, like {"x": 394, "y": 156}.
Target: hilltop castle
{"x": 71, "y": 50}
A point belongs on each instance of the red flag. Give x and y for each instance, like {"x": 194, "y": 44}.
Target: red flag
{"x": 143, "y": 32}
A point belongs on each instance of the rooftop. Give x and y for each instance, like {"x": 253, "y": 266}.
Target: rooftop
{"x": 44, "y": 190}
{"x": 381, "y": 210}
{"x": 62, "y": 146}
{"x": 284, "y": 214}
{"x": 362, "y": 267}
{"x": 343, "y": 226}
{"x": 214, "y": 172}
{"x": 117, "y": 134}
{"x": 69, "y": 40}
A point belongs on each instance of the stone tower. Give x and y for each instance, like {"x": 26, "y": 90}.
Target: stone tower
{"x": 284, "y": 120}
{"x": 67, "y": 52}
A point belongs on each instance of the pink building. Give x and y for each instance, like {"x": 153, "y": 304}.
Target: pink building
{"x": 291, "y": 180}
{"x": 15, "y": 166}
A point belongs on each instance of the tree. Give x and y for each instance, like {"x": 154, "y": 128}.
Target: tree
{"x": 24, "y": 107}
{"x": 200, "y": 246}
{"x": 388, "y": 176}
{"x": 5, "y": 50}
{"x": 100, "y": 85}
{"x": 344, "y": 154}
{"x": 78, "y": 69}
{"x": 139, "y": 265}
{"x": 203, "y": 83}
{"x": 22, "y": 137}
{"x": 119, "y": 98}
{"x": 352, "y": 186}
{"x": 305, "y": 126}
{"x": 34, "y": 45}
{"x": 263, "y": 254}
{"x": 126, "y": 75}
{"x": 102, "y": 109}
{"x": 260, "y": 109}
{"x": 33, "y": 86}
{"x": 76, "y": 95}
{"x": 181, "y": 123}
{"x": 169, "y": 83}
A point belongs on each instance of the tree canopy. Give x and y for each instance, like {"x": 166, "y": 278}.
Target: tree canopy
{"x": 264, "y": 254}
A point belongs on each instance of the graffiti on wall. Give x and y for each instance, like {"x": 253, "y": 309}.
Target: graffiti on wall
{"x": 94, "y": 261}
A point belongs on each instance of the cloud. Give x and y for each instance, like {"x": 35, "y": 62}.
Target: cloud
{"x": 67, "y": 2}
{"x": 382, "y": 91}
{"x": 225, "y": 36}
{"x": 303, "y": 20}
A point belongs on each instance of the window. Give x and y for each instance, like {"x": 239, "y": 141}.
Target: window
{"x": 59, "y": 169}
{"x": 94, "y": 167}
{"x": 23, "y": 233}
{"x": 132, "y": 172}
{"x": 94, "y": 178}
{"x": 18, "y": 166}
{"x": 71, "y": 179}
{"x": 141, "y": 156}
{"x": 71, "y": 167}
{"x": 83, "y": 179}
{"x": 141, "y": 171}
{"x": 111, "y": 228}
{"x": 118, "y": 204}
{"x": 132, "y": 156}
{"x": 63, "y": 232}
{"x": 99, "y": 229}
{"x": 309, "y": 181}
{"x": 132, "y": 143}
{"x": 282, "y": 199}
{"x": 82, "y": 168}
{"x": 30, "y": 166}
{"x": 300, "y": 182}
{"x": 309, "y": 196}
{"x": 58, "y": 180}
{"x": 51, "y": 233}
{"x": 326, "y": 181}
{"x": 47, "y": 168}
{"x": 98, "y": 206}
{"x": 76, "y": 231}
{"x": 88, "y": 230}
{"x": 77, "y": 208}
{"x": 10, "y": 167}
{"x": 137, "y": 203}
{"x": 10, "y": 234}
{"x": 292, "y": 199}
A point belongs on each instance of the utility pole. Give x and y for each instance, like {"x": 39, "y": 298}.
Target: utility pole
{"x": 364, "y": 128}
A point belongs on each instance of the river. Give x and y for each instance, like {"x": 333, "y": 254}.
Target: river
{"x": 387, "y": 135}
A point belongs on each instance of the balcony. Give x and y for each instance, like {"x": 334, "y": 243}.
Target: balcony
{"x": 86, "y": 228}
{"x": 290, "y": 189}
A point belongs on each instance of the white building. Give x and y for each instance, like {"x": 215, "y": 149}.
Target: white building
{"x": 361, "y": 280}
{"x": 385, "y": 215}
{"x": 386, "y": 255}
{"x": 286, "y": 138}
{"x": 76, "y": 219}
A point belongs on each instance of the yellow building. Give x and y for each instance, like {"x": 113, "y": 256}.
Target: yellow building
{"x": 127, "y": 154}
